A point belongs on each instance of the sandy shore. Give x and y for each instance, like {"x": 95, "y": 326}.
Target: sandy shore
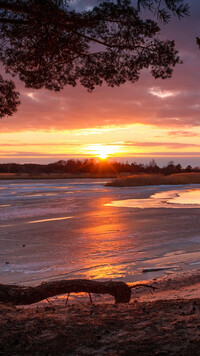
{"x": 166, "y": 322}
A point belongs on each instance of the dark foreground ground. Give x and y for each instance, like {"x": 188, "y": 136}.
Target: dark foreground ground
{"x": 162, "y": 327}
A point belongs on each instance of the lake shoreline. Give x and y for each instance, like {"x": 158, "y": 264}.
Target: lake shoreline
{"x": 166, "y": 322}
{"x": 26, "y": 176}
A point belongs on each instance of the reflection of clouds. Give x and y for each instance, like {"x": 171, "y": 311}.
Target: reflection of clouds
{"x": 106, "y": 272}
{"x": 170, "y": 199}
{"x": 51, "y": 219}
{"x": 108, "y": 247}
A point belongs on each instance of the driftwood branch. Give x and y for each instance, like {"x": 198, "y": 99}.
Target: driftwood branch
{"x": 22, "y": 295}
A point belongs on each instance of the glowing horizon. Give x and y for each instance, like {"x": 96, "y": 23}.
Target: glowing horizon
{"x": 112, "y": 141}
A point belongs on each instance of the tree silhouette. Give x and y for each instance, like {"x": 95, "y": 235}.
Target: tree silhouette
{"x": 9, "y": 98}
{"x": 48, "y": 45}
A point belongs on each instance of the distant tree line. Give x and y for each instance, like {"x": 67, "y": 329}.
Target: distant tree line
{"x": 94, "y": 167}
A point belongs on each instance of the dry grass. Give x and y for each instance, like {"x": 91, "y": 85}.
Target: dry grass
{"x": 156, "y": 179}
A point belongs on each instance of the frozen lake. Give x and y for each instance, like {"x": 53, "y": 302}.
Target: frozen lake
{"x": 80, "y": 229}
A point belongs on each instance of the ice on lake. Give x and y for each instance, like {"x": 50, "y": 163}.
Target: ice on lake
{"x": 169, "y": 199}
{"x": 59, "y": 229}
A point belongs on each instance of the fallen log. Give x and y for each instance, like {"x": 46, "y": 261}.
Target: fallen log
{"x": 23, "y": 295}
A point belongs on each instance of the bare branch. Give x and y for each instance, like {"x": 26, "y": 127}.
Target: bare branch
{"x": 21, "y": 295}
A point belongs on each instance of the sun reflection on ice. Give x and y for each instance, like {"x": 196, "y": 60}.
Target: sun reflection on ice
{"x": 106, "y": 236}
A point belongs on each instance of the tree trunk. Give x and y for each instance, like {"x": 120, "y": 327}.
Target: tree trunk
{"x": 21, "y": 295}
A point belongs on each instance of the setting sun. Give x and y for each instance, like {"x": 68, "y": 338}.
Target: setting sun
{"x": 101, "y": 151}
{"x": 103, "y": 154}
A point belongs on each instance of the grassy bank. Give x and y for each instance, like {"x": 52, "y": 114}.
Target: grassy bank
{"x": 156, "y": 179}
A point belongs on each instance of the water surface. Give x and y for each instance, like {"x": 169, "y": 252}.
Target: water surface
{"x": 182, "y": 198}
{"x": 72, "y": 229}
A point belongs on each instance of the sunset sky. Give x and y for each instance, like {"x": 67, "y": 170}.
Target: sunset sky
{"x": 157, "y": 119}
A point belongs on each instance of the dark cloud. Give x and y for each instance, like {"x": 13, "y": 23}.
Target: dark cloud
{"x": 167, "y": 154}
{"x": 183, "y": 133}
{"x": 30, "y": 154}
